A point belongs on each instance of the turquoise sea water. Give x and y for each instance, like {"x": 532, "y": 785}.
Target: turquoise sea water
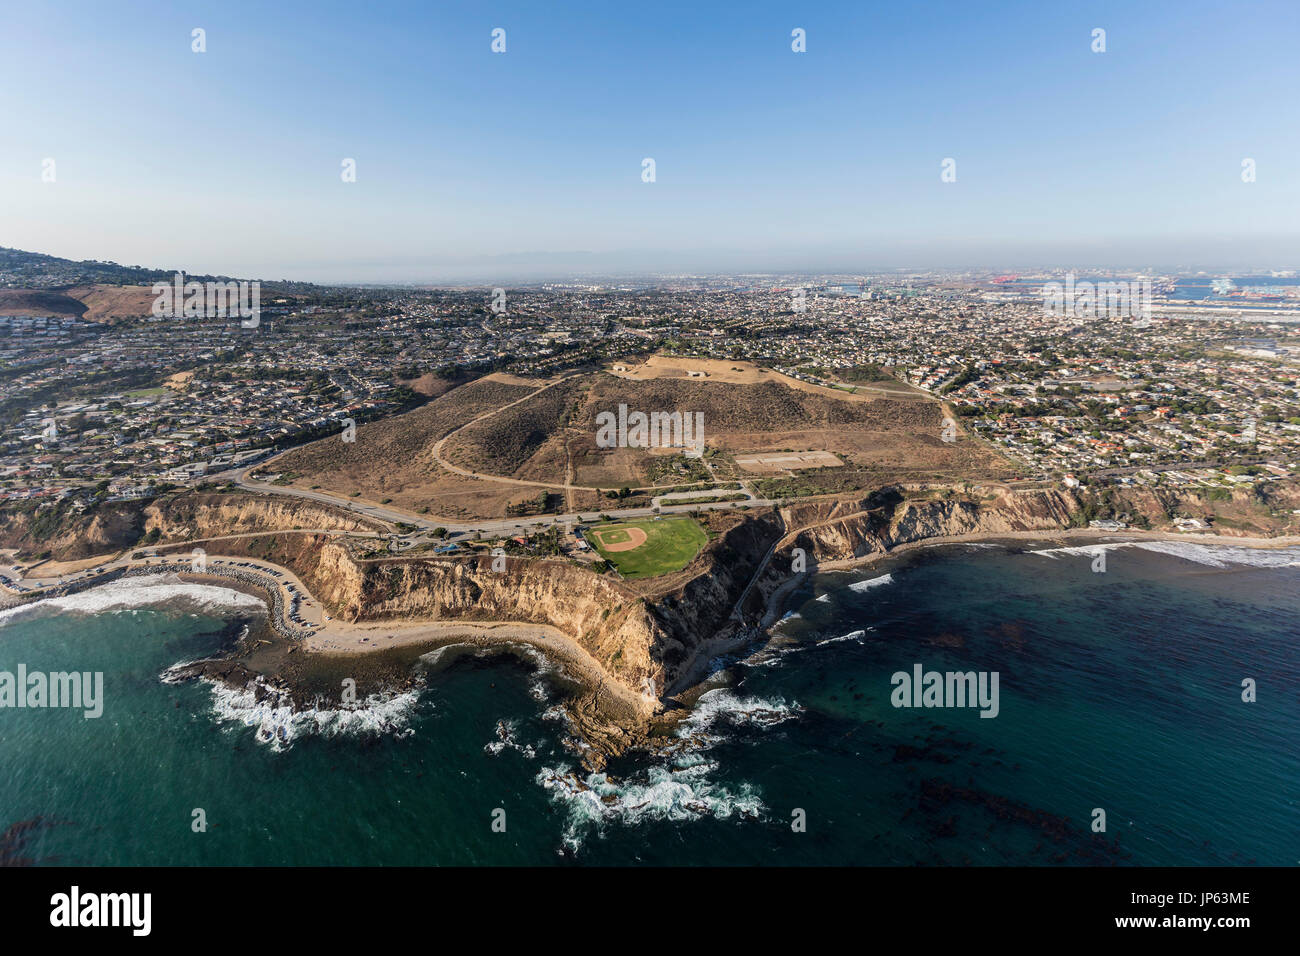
{"x": 1118, "y": 690}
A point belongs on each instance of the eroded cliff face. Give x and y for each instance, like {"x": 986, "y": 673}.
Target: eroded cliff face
{"x": 191, "y": 516}
{"x": 661, "y": 632}
{"x": 845, "y": 531}
{"x": 702, "y": 606}
{"x": 656, "y": 637}
{"x": 880, "y": 525}
{"x": 118, "y": 525}
{"x": 609, "y": 622}
{"x": 69, "y": 536}
{"x": 1263, "y": 510}
{"x": 640, "y": 640}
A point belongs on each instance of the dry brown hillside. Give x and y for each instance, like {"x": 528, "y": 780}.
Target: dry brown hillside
{"x": 39, "y": 302}
{"x": 95, "y": 303}
{"x": 521, "y": 441}
{"x": 508, "y": 441}
{"x": 393, "y": 458}
{"x": 106, "y": 302}
{"x": 555, "y": 431}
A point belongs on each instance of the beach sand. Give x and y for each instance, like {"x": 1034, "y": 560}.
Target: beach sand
{"x": 340, "y": 637}
{"x": 337, "y": 638}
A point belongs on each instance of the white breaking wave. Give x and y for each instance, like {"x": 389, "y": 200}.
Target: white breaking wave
{"x": 872, "y": 583}
{"x": 678, "y": 792}
{"x": 278, "y": 724}
{"x": 1210, "y": 555}
{"x": 859, "y": 586}
{"x": 772, "y": 656}
{"x": 722, "y": 705}
{"x": 1222, "y": 556}
{"x": 1083, "y": 550}
{"x": 129, "y": 593}
{"x": 855, "y": 636}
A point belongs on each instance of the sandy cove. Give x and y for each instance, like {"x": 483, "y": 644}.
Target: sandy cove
{"x": 337, "y": 637}
{"x": 342, "y": 638}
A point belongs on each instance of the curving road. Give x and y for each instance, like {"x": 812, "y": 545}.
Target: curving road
{"x": 389, "y": 514}
{"x": 488, "y": 526}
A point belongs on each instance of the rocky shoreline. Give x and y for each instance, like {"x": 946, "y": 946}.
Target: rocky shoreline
{"x": 635, "y": 661}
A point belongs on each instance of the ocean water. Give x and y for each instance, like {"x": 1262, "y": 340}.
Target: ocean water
{"x": 1118, "y": 690}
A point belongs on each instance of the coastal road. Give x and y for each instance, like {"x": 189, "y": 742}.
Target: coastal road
{"x": 488, "y": 526}
{"x": 501, "y": 479}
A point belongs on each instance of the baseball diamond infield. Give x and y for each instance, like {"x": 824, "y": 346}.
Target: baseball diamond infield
{"x": 620, "y": 539}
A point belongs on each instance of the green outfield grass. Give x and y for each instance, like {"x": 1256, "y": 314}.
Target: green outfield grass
{"x": 670, "y": 545}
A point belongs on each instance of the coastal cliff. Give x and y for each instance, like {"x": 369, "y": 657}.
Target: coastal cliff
{"x": 655, "y": 642}
{"x": 649, "y": 640}
{"x": 198, "y": 515}
{"x": 881, "y": 523}
{"x": 640, "y": 639}
{"x": 59, "y": 531}
{"x": 847, "y": 531}
{"x": 658, "y": 635}
{"x": 605, "y": 618}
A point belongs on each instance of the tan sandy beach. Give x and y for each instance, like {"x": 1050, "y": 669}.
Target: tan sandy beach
{"x": 336, "y": 637}
{"x": 339, "y": 637}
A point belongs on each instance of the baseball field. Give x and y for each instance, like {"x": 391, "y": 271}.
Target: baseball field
{"x": 648, "y": 546}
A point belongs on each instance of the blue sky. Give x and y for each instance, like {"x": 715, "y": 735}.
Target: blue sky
{"x": 473, "y": 165}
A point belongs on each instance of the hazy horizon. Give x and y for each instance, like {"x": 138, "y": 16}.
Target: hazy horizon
{"x": 480, "y": 166}
{"x": 1177, "y": 256}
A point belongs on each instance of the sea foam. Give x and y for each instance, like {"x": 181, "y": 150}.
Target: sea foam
{"x": 507, "y": 739}
{"x": 1209, "y": 555}
{"x": 277, "y": 723}
{"x": 854, "y": 636}
{"x": 1222, "y": 555}
{"x": 680, "y": 789}
{"x": 859, "y": 587}
{"x": 1083, "y": 550}
{"x": 867, "y": 585}
{"x": 127, "y": 594}
{"x": 723, "y": 706}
